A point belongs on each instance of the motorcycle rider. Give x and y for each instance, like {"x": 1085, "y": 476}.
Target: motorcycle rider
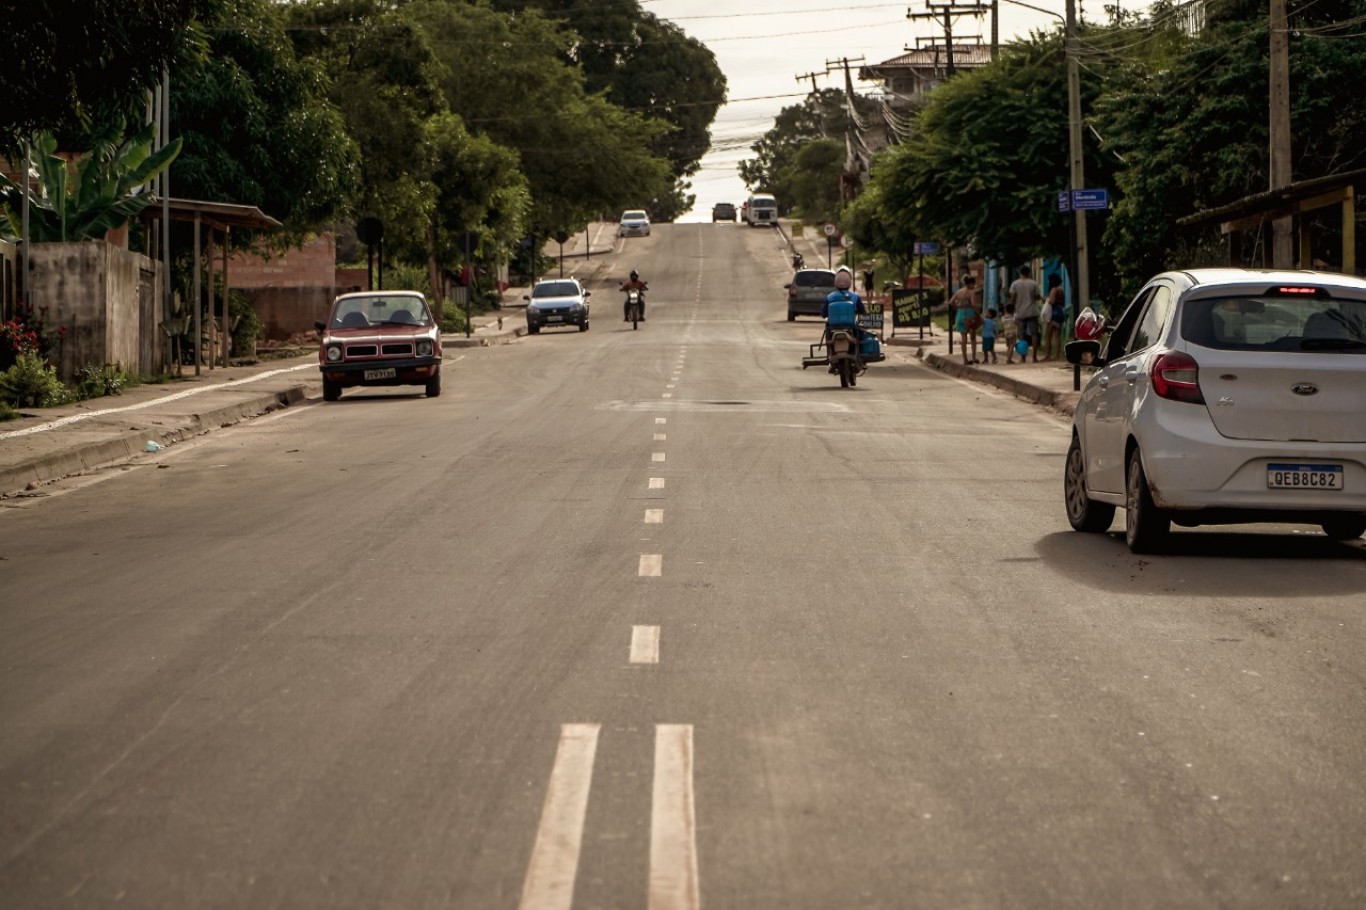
{"x": 633, "y": 284}
{"x": 844, "y": 284}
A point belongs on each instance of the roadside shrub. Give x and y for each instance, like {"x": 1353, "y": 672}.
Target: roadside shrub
{"x": 452, "y": 320}
{"x": 8, "y": 413}
{"x": 31, "y": 383}
{"x": 246, "y": 325}
{"x": 97, "y": 380}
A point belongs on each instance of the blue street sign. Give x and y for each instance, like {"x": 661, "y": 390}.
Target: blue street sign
{"x": 1065, "y": 201}
{"x": 1083, "y": 200}
{"x": 926, "y": 248}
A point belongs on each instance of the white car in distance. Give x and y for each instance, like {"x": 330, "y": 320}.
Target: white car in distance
{"x": 634, "y": 223}
{"x": 1225, "y": 396}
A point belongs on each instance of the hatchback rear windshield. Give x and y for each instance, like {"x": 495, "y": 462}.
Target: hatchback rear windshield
{"x": 1281, "y": 320}
{"x": 556, "y": 289}
{"x": 815, "y": 278}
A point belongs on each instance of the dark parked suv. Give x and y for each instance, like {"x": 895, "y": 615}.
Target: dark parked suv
{"x": 723, "y": 211}
{"x": 807, "y": 291}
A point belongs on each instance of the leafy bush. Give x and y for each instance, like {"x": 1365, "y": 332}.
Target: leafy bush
{"x": 8, "y": 413}
{"x": 31, "y": 383}
{"x": 246, "y": 325}
{"x": 97, "y": 380}
{"x": 452, "y": 320}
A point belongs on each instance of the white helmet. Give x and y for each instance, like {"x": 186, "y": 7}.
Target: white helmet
{"x": 844, "y": 279}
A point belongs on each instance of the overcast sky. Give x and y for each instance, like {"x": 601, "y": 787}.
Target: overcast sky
{"x": 764, "y": 45}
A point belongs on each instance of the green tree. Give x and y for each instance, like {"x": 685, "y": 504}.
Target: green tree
{"x": 257, "y": 125}
{"x": 821, "y": 115}
{"x": 649, "y": 66}
{"x": 581, "y": 154}
{"x": 812, "y": 182}
{"x": 76, "y": 61}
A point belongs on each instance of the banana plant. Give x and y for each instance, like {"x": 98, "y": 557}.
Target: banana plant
{"x": 87, "y": 198}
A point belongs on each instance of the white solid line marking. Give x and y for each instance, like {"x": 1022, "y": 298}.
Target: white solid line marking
{"x": 659, "y": 437}
{"x": 651, "y": 565}
{"x": 657, "y": 456}
{"x": 645, "y": 644}
{"x": 673, "y": 822}
{"x": 549, "y": 882}
{"x": 661, "y": 420}
{"x": 654, "y": 516}
{"x": 656, "y": 483}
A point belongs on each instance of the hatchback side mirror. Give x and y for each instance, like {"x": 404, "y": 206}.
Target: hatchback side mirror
{"x": 587, "y": 293}
{"x": 526, "y": 296}
{"x": 1084, "y": 353}
{"x": 320, "y": 326}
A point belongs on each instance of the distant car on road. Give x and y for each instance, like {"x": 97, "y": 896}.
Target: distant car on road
{"x": 634, "y": 223}
{"x": 379, "y": 338}
{"x": 1225, "y": 396}
{"x": 807, "y": 291}
{"x": 723, "y": 211}
{"x": 557, "y": 302}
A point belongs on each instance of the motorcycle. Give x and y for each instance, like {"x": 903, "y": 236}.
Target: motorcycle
{"x": 634, "y": 307}
{"x": 847, "y": 351}
{"x": 798, "y": 261}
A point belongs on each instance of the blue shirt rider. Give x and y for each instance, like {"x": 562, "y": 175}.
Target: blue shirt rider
{"x": 844, "y": 283}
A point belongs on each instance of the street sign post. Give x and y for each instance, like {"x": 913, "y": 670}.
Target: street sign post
{"x": 1064, "y": 201}
{"x": 925, "y": 248}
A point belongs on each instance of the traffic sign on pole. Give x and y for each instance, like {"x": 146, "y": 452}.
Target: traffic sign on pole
{"x": 831, "y": 230}
{"x": 1065, "y": 201}
{"x": 1086, "y": 200}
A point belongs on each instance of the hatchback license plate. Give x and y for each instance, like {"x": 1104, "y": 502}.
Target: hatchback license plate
{"x": 554, "y": 319}
{"x": 386, "y": 373}
{"x": 1304, "y": 476}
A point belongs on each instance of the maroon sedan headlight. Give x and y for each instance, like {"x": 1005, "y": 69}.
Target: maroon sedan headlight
{"x": 334, "y": 353}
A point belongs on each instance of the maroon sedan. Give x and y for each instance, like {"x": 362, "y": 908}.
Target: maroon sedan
{"x": 379, "y": 338}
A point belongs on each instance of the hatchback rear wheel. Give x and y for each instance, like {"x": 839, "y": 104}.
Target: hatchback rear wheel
{"x": 1145, "y": 525}
{"x": 1083, "y": 512}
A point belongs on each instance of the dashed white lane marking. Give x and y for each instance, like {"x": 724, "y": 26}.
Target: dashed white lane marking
{"x": 657, "y": 456}
{"x": 645, "y": 644}
{"x": 656, "y": 483}
{"x": 671, "y": 386}
{"x": 660, "y": 437}
{"x": 651, "y": 565}
{"x": 549, "y": 883}
{"x": 668, "y": 394}
{"x": 661, "y": 420}
{"x": 654, "y": 516}
{"x": 673, "y": 822}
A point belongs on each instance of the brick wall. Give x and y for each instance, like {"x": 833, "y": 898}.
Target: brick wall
{"x": 291, "y": 290}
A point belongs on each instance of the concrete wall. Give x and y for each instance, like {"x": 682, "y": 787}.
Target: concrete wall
{"x": 107, "y": 301}
{"x": 289, "y": 290}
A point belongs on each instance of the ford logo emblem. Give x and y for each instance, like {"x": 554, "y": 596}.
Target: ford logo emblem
{"x": 1305, "y": 388}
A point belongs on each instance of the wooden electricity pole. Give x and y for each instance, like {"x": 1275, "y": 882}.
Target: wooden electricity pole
{"x": 1282, "y": 172}
{"x": 946, "y": 13}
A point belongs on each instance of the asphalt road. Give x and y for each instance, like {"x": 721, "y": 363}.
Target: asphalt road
{"x": 657, "y": 619}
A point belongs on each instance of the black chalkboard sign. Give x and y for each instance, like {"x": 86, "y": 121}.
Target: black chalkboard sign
{"x": 909, "y": 308}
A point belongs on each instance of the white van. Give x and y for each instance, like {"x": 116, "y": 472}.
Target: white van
{"x": 761, "y": 208}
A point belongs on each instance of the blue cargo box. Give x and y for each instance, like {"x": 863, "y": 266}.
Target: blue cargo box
{"x": 840, "y": 312}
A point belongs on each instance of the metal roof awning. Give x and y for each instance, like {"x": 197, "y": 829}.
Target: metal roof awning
{"x": 218, "y": 215}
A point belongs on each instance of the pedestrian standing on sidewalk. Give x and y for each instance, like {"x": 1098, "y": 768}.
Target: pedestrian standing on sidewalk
{"x": 989, "y": 338}
{"x": 1056, "y": 309}
{"x": 1024, "y": 293}
{"x": 1010, "y": 332}
{"x": 967, "y": 321}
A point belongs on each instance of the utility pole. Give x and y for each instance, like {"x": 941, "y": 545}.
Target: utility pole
{"x": 946, "y": 13}
{"x": 851, "y": 142}
{"x": 995, "y": 28}
{"x": 1078, "y": 176}
{"x": 1282, "y": 229}
{"x": 819, "y": 113}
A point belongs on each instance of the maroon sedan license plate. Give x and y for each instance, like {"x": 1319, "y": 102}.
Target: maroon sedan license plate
{"x": 386, "y": 373}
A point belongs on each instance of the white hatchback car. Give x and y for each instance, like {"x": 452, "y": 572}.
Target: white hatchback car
{"x": 634, "y": 223}
{"x": 1225, "y": 396}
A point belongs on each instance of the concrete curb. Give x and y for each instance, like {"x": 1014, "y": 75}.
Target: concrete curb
{"x": 1063, "y": 402}
{"x": 86, "y": 457}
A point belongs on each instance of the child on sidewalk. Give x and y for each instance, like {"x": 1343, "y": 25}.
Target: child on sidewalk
{"x": 1010, "y": 332}
{"x": 989, "y": 338}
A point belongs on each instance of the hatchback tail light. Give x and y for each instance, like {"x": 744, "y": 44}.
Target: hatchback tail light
{"x": 1176, "y": 376}
{"x": 792, "y": 291}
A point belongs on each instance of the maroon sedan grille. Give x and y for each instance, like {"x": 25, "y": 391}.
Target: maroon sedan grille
{"x": 361, "y": 350}
{"x": 399, "y": 349}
